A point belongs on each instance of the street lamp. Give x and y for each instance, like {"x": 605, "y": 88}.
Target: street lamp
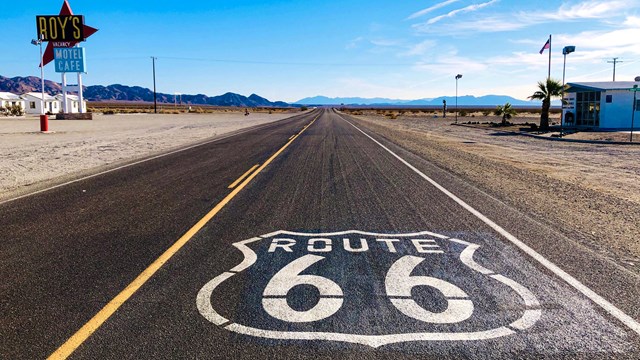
{"x": 457, "y": 78}
{"x": 44, "y": 121}
{"x": 565, "y": 51}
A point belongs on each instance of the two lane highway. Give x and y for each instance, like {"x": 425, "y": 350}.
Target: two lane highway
{"x": 331, "y": 243}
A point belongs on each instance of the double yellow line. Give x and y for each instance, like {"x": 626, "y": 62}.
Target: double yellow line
{"x": 112, "y": 306}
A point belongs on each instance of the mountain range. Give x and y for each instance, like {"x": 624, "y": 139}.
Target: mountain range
{"x": 467, "y": 100}
{"x": 117, "y": 92}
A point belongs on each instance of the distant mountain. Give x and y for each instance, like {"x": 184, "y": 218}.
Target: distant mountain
{"x": 20, "y": 85}
{"x": 117, "y": 92}
{"x": 467, "y": 100}
{"x": 323, "y": 100}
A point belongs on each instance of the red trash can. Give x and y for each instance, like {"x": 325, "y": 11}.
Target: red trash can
{"x": 44, "y": 122}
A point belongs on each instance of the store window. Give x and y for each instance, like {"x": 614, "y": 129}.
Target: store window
{"x": 588, "y": 108}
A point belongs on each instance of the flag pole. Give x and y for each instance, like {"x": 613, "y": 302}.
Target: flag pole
{"x": 549, "y": 74}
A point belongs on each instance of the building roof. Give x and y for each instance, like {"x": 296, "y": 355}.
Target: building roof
{"x": 9, "y": 96}
{"x": 38, "y": 95}
{"x": 69, "y": 97}
{"x": 602, "y": 85}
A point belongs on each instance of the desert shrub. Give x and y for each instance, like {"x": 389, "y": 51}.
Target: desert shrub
{"x": 108, "y": 112}
{"x": 462, "y": 113}
{"x": 392, "y": 116}
{"x": 303, "y": 108}
{"x": 4, "y": 111}
{"x": 486, "y": 112}
{"x": 16, "y": 110}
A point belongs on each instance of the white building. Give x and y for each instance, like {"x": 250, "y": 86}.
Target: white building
{"x": 601, "y": 105}
{"x": 73, "y": 103}
{"x": 8, "y": 99}
{"x": 33, "y": 103}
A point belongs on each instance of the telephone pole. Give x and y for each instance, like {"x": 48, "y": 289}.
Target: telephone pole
{"x": 614, "y": 62}
{"x": 155, "y": 102}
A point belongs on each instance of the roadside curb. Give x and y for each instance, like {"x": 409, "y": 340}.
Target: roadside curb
{"x": 599, "y": 142}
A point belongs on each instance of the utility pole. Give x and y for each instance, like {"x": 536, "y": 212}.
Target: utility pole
{"x": 614, "y": 62}
{"x": 155, "y": 101}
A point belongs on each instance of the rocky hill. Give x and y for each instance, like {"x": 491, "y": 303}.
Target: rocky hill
{"x": 117, "y": 92}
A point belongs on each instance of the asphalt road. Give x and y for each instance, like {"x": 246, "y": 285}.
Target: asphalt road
{"x": 331, "y": 243}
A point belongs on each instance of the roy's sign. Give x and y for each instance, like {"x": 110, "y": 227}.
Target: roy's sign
{"x": 69, "y": 60}
{"x": 366, "y": 288}
{"x": 60, "y": 27}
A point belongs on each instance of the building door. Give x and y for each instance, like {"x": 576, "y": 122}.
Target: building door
{"x": 588, "y": 109}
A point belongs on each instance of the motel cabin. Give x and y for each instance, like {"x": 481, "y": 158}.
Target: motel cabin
{"x": 8, "y": 100}
{"x": 33, "y": 103}
{"x": 73, "y": 103}
{"x": 602, "y": 105}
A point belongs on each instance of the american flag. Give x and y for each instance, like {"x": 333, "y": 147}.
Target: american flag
{"x": 546, "y": 46}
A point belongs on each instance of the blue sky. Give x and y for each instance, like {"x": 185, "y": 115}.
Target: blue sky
{"x": 287, "y": 50}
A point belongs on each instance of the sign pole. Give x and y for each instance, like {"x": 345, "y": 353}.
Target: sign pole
{"x": 64, "y": 93}
{"x": 633, "y": 113}
{"x": 81, "y": 108}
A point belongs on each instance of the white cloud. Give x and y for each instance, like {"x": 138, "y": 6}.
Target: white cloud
{"x": 470, "y": 8}
{"x": 420, "y": 48}
{"x": 354, "y": 43}
{"x": 604, "y": 11}
{"x": 593, "y": 9}
{"x": 430, "y": 9}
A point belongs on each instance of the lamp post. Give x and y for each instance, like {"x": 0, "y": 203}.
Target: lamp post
{"x": 633, "y": 114}
{"x": 565, "y": 51}
{"x": 44, "y": 119}
{"x": 457, "y": 78}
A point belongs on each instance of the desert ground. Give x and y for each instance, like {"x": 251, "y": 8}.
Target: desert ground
{"x": 31, "y": 159}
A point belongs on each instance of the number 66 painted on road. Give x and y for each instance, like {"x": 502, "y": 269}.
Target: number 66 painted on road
{"x": 398, "y": 284}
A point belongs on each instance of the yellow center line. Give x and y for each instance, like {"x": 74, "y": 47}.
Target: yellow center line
{"x": 242, "y": 177}
{"x": 112, "y": 306}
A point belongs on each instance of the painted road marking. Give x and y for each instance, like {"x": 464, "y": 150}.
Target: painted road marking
{"x": 66, "y": 349}
{"x": 235, "y": 183}
{"x": 602, "y": 302}
{"x": 348, "y": 301}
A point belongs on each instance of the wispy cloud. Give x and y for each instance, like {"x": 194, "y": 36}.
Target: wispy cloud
{"x": 354, "y": 43}
{"x": 431, "y": 8}
{"x": 592, "y": 9}
{"x": 470, "y": 8}
{"x": 602, "y": 10}
{"x": 420, "y": 48}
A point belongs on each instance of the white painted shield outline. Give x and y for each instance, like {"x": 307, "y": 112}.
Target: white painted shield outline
{"x": 530, "y": 316}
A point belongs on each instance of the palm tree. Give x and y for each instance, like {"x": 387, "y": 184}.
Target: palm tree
{"x": 547, "y": 90}
{"x": 506, "y": 111}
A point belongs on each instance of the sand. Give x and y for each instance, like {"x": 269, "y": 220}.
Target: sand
{"x": 30, "y": 159}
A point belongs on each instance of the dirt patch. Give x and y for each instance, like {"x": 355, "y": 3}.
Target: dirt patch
{"x": 591, "y": 190}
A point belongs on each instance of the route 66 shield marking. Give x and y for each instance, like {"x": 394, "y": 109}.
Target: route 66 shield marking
{"x": 366, "y": 288}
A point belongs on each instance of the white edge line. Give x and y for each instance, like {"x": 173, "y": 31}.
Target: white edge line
{"x": 205, "y": 142}
{"x": 602, "y": 302}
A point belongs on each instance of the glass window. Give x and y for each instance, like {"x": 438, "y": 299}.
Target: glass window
{"x": 609, "y": 99}
{"x": 32, "y": 105}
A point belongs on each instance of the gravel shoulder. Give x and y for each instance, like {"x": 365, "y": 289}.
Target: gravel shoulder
{"x": 590, "y": 192}
{"x": 30, "y": 160}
